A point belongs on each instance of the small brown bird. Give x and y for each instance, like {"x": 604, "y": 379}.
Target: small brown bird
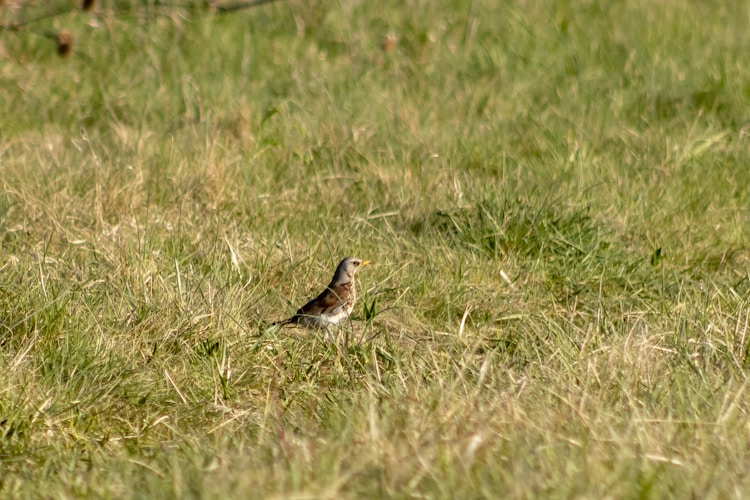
{"x": 335, "y": 303}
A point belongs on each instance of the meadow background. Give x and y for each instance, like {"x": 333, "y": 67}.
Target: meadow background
{"x": 555, "y": 196}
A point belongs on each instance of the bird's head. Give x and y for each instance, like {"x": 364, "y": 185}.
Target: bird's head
{"x": 347, "y": 268}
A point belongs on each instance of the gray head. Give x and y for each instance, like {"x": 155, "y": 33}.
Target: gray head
{"x": 346, "y": 270}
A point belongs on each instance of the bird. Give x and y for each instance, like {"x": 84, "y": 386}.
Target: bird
{"x": 335, "y": 303}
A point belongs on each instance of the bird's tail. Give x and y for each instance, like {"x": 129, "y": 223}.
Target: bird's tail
{"x": 283, "y": 322}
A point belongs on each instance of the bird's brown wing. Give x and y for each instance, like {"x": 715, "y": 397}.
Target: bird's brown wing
{"x": 327, "y": 299}
{"x": 333, "y": 297}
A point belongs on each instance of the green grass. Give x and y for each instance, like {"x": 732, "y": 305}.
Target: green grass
{"x": 555, "y": 196}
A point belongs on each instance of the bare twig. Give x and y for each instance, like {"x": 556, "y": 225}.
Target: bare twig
{"x": 19, "y": 26}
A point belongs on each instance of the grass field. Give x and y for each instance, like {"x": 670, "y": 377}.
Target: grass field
{"x": 555, "y": 196}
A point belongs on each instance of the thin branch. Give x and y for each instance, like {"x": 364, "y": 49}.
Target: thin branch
{"x": 20, "y": 25}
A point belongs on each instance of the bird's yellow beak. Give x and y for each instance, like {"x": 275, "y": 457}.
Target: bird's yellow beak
{"x": 365, "y": 263}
